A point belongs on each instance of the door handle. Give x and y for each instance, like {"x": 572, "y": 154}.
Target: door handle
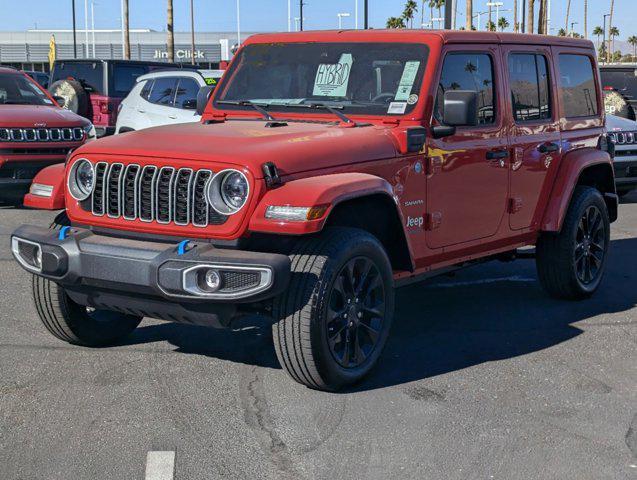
{"x": 141, "y": 111}
{"x": 497, "y": 154}
{"x": 172, "y": 116}
{"x": 548, "y": 148}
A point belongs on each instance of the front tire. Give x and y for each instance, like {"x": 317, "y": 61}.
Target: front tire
{"x": 75, "y": 323}
{"x": 571, "y": 263}
{"x": 334, "y": 319}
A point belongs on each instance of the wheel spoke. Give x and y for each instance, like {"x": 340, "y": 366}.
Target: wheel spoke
{"x": 372, "y": 333}
{"x": 359, "y": 353}
{"x": 363, "y": 277}
{"x": 580, "y": 251}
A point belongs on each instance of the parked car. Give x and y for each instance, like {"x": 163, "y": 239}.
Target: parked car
{"x": 623, "y": 133}
{"x": 41, "y": 77}
{"x": 619, "y": 83}
{"x": 162, "y": 98}
{"x": 94, "y": 88}
{"x": 34, "y": 132}
{"x": 321, "y": 177}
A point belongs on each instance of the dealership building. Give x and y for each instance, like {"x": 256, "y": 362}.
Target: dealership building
{"x": 30, "y": 50}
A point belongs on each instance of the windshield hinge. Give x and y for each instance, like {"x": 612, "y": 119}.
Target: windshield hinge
{"x": 271, "y": 175}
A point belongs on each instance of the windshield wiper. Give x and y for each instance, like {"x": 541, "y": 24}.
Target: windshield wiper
{"x": 248, "y": 103}
{"x": 317, "y": 106}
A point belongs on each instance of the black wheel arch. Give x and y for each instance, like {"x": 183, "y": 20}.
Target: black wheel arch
{"x": 601, "y": 177}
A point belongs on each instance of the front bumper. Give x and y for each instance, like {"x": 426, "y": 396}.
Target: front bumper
{"x": 147, "y": 278}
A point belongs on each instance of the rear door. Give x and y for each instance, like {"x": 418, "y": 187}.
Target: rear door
{"x": 535, "y": 133}
{"x": 467, "y": 181}
{"x": 161, "y": 100}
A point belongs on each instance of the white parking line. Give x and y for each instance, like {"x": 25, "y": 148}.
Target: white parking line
{"x": 482, "y": 281}
{"x": 160, "y": 466}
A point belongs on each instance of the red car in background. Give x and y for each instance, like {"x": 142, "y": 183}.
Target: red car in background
{"x": 34, "y": 133}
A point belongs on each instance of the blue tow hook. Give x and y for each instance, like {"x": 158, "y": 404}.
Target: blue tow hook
{"x": 64, "y": 232}
{"x": 182, "y": 247}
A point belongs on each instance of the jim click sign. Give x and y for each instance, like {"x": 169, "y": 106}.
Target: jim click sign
{"x": 179, "y": 54}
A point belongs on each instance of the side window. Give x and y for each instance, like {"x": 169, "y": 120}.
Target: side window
{"x": 528, "y": 74}
{"x": 163, "y": 92}
{"x": 187, "y": 94}
{"x": 124, "y": 78}
{"x": 577, "y": 86}
{"x": 469, "y": 71}
{"x": 145, "y": 93}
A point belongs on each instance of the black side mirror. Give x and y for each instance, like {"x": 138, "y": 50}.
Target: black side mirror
{"x": 460, "y": 108}
{"x": 60, "y": 101}
{"x": 202, "y": 98}
{"x": 190, "y": 104}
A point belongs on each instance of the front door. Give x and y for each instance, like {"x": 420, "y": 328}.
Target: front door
{"x": 535, "y": 134}
{"x": 467, "y": 181}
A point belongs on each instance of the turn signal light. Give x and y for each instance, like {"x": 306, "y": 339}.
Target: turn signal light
{"x": 295, "y": 214}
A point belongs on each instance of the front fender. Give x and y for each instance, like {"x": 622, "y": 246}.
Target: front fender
{"x": 53, "y": 176}
{"x": 572, "y": 166}
{"x": 325, "y": 190}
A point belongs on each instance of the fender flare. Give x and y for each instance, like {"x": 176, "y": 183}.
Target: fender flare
{"x": 53, "y": 175}
{"x": 572, "y": 165}
{"x": 325, "y": 190}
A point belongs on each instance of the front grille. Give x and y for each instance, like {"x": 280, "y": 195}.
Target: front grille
{"x": 66, "y": 134}
{"x": 153, "y": 194}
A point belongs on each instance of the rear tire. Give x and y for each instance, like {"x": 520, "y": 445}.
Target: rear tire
{"x": 334, "y": 319}
{"x": 74, "y": 323}
{"x": 571, "y": 263}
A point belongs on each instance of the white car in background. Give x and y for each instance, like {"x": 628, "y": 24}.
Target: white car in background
{"x": 163, "y": 98}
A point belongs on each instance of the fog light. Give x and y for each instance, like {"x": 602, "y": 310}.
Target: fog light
{"x": 29, "y": 254}
{"x": 212, "y": 280}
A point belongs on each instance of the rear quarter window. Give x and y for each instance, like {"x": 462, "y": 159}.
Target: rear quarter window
{"x": 577, "y": 86}
{"x": 124, "y": 78}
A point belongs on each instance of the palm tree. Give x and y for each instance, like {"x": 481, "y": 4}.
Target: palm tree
{"x": 561, "y": 32}
{"x": 568, "y": 13}
{"x": 610, "y": 25}
{"x": 585, "y": 18}
{"x": 503, "y": 23}
{"x": 613, "y": 32}
{"x": 598, "y": 31}
{"x": 395, "y": 22}
{"x": 632, "y": 40}
{"x": 491, "y": 26}
{"x": 411, "y": 7}
{"x": 432, "y": 4}
{"x": 439, "y": 5}
{"x": 529, "y": 15}
{"x": 469, "y": 15}
{"x": 515, "y": 16}
{"x": 171, "y": 34}
{"x": 126, "y": 31}
{"x": 422, "y": 13}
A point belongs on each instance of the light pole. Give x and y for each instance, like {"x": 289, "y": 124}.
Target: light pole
{"x": 93, "y": 25}
{"x": 356, "y": 14}
{"x": 478, "y": 15}
{"x": 340, "y": 19}
{"x": 192, "y": 32}
{"x": 86, "y": 29}
{"x": 289, "y": 15}
{"x": 74, "y": 30}
{"x": 497, "y": 6}
{"x": 301, "y": 15}
{"x": 572, "y": 25}
{"x": 238, "y": 23}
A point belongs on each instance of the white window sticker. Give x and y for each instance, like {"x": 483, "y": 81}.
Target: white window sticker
{"x": 332, "y": 78}
{"x": 407, "y": 80}
{"x": 397, "y": 108}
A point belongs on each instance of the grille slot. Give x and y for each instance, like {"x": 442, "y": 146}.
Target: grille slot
{"x": 153, "y": 194}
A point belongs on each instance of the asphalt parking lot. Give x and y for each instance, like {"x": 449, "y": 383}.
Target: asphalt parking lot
{"x": 483, "y": 377}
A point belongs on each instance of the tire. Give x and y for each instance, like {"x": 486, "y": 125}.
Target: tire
{"x": 571, "y": 263}
{"x": 74, "y": 323}
{"x": 76, "y": 98}
{"x": 310, "y": 338}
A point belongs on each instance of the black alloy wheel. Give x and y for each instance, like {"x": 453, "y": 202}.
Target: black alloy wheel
{"x": 590, "y": 247}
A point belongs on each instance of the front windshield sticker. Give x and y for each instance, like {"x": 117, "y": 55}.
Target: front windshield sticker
{"x": 407, "y": 80}
{"x": 397, "y": 108}
{"x": 332, "y": 78}
{"x": 210, "y": 81}
{"x": 413, "y": 99}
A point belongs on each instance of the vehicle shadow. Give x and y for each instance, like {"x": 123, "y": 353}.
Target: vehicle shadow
{"x": 445, "y": 324}
{"x": 629, "y": 198}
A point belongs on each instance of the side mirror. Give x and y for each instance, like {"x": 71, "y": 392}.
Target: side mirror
{"x": 460, "y": 108}
{"x": 60, "y": 101}
{"x": 202, "y": 98}
{"x": 190, "y": 104}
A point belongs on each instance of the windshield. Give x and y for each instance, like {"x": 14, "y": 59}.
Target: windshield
{"x": 16, "y": 89}
{"x": 89, "y": 74}
{"x": 357, "y": 78}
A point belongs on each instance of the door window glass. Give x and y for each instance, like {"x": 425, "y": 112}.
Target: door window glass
{"x": 469, "y": 71}
{"x": 145, "y": 93}
{"x": 577, "y": 86}
{"x": 163, "y": 92}
{"x": 530, "y": 89}
{"x": 187, "y": 94}
{"x": 124, "y": 78}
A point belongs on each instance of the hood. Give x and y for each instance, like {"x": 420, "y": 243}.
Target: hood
{"x": 294, "y": 148}
{"x": 620, "y": 124}
{"x": 30, "y": 115}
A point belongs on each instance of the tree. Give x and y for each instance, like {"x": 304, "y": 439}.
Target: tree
{"x": 491, "y": 26}
{"x": 617, "y": 56}
{"x": 612, "y": 33}
{"x": 529, "y": 15}
{"x": 561, "y": 32}
{"x": 439, "y": 5}
{"x": 469, "y": 15}
{"x": 610, "y": 25}
{"x": 568, "y": 14}
{"x": 171, "y": 34}
{"x": 585, "y": 18}
{"x": 503, "y": 23}
{"x": 411, "y": 7}
{"x": 632, "y": 40}
{"x": 515, "y": 16}
{"x": 126, "y": 32}
{"x": 598, "y": 32}
{"x": 542, "y": 18}
{"x": 395, "y": 22}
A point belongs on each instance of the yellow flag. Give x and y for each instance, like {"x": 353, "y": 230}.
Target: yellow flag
{"x": 52, "y": 52}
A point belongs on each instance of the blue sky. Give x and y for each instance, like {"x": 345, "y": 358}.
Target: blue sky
{"x": 270, "y": 15}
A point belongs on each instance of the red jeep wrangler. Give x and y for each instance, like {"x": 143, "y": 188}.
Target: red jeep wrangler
{"x": 328, "y": 169}
{"x": 34, "y": 133}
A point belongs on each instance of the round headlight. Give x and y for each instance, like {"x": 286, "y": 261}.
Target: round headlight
{"x": 228, "y": 191}
{"x": 81, "y": 179}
